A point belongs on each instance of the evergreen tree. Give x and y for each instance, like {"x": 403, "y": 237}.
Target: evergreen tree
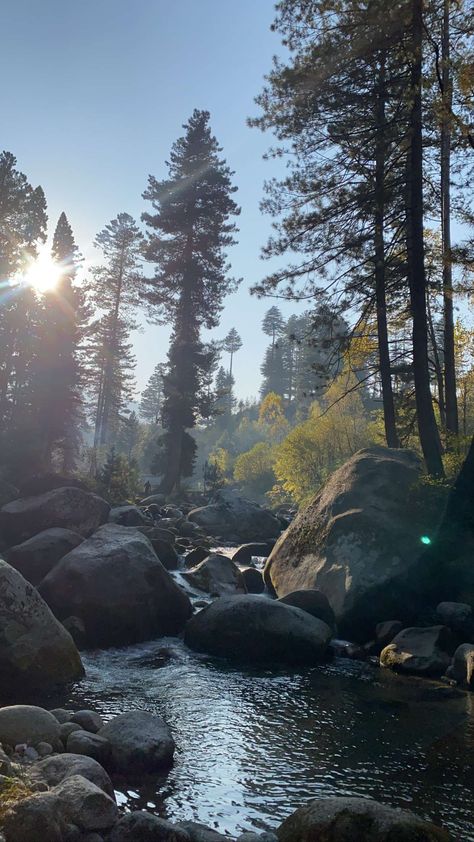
{"x": 273, "y": 372}
{"x": 189, "y": 232}
{"x": 152, "y": 396}
{"x": 57, "y": 365}
{"x": 224, "y": 393}
{"x": 114, "y": 291}
{"x": 232, "y": 343}
{"x": 273, "y": 324}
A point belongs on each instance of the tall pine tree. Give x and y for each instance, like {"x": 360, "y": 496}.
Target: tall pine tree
{"x": 189, "y": 232}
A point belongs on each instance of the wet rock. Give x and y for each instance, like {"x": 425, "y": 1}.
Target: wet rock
{"x": 84, "y": 804}
{"x": 127, "y": 516}
{"x": 217, "y": 575}
{"x": 255, "y": 628}
{"x": 422, "y": 651}
{"x": 200, "y": 833}
{"x": 140, "y": 741}
{"x": 231, "y": 515}
{"x": 146, "y": 828}
{"x": 37, "y": 556}
{"x": 27, "y": 724}
{"x": 117, "y": 586}
{"x": 89, "y": 720}
{"x": 166, "y": 553}
{"x": 462, "y": 666}
{"x": 314, "y": 602}
{"x": 195, "y": 556}
{"x": 245, "y": 553}
{"x": 357, "y": 542}
{"x": 253, "y": 580}
{"x": 90, "y": 745}
{"x": 35, "y": 650}
{"x": 350, "y": 819}
{"x": 65, "y": 508}
{"x": 77, "y": 630}
{"x": 346, "y": 649}
{"x": 57, "y": 768}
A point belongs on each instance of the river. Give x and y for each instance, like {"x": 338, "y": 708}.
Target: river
{"x": 252, "y": 745}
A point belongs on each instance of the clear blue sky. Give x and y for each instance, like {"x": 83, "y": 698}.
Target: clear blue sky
{"x": 98, "y": 91}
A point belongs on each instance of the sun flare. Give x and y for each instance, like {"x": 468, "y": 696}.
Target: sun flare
{"x": 43, "y": 274}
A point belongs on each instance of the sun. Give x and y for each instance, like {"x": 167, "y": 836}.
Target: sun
{"x": 43, "y": 274}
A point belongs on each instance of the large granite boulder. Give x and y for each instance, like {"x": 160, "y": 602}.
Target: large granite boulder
{"x": 139, "y": 741}
{"x": 422, "y": 651}
{"x": 58, "y": 767}
{"x": 68, "y": 508}
{"x": 314, "y": 602}
{"x": 117, "y": 586}
{"x": 357, "y": 541}
{"x": 217, "y": 575}
{"x": 37, "y": 556}
{"x": 232, "y": 516}
{"x": 35, "y": 649}
{"x": 127, "y": 516}
{"x": 255, "y": 628}
{"x": 8, "y": 492}
{"x": 343, "y": 819}
{"x": 140, "y": 826}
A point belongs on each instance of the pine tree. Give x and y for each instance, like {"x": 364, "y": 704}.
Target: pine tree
{"x": 224, "y": 394}
{"x": 114, "y": 290}
{"x": 152, "y": 396}
{"x": 232, "y": 343}
{"x": 188, "y": 235}
{"x": 273, "y": 324}
{"x": 57, "y": 365}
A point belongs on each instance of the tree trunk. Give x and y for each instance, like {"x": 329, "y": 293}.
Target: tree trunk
{"x": 452, "y": 423}
{"x": 427, "y": 429}
{"x": 438, "y": 368}
{"x": 379, "y": 248}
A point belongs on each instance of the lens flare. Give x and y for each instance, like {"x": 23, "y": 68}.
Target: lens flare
{"x": 43, "y": 274}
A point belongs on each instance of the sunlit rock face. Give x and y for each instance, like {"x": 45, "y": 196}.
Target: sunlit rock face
{"x": 232, "y": 516}
{"x": 356, "y": 539}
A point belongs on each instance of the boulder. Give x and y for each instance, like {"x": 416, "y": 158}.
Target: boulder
{"x": 36, "y": 557}
{"x": 91, "y": 745}
{"x": 230, "y": 515}
{"x": 117, "y": 586}
{"x": 77, "y": 630}
{"x": 166, "y": 553}
{"x": 144, "y": 827}
{"x": 195, "y": 556}
{"x": 344, "y": 819}
{"x": 458, "y": 617}
{"x": 140, "y": 741}
{"x": 157, "y": 499}
{"x": 34, "y": 818}
{"x": 53, "y": 770}
{"x": 253, "y": 579}
{"x": 188, "y": 529}
{"x": 67, "y": 728}
{"x": 314, "y": 602}
{"x": 357, "y": 542}
{"x": 246, "y": 552}
{"x": 462, "y": 666}
{"x": 62, "y": 714}
{"x": 255, "y": 628}
{"x": 35, "y": 650}
{"x": 27, "y": 724}
{"x": 66, "y": 508}
{"x": 88, "y": 719}
{"x": 84, "y": 804}
{"x": 217, "y": 575}
{"x": 200, "y": 833}
{"x": 8, "y": 492}
{"x": 423, "y": 651}
{"x": 127, "y": 516}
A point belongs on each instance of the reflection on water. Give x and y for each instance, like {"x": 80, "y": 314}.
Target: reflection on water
{"x": 253, "y": 746}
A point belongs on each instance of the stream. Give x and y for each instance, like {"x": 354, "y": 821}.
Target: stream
{"x": 254, "y": 745}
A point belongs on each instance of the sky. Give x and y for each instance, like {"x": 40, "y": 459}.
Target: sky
{"x": 98, "y": 91}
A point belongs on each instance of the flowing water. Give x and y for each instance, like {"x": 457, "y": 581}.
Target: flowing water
{"x": 253, "y": 745}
